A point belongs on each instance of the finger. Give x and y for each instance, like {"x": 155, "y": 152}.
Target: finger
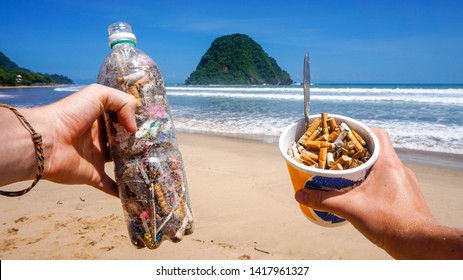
{"x": 388, "y": 158}
{"x": 384, "y": 141}
{"x": 103, "y": 138}
{"x": 125, "y": 105}
{"x": 108, "y": 186}
{"x": 127, "y": 116}
{"x": 118, "y": 101}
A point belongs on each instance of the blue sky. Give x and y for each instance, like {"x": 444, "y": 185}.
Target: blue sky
{"x": 349, "y": 41}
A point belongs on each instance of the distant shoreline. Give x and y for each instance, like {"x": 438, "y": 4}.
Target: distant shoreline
{"x": 41, "y": 86}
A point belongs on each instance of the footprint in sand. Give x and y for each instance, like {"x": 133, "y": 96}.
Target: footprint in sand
{"x": 46, "y": 217}
{"x": 244, "y": 257}
{"x": 21, "y": 220}
{"x": 12, "y": 230}
{"x": 107, "y": 248}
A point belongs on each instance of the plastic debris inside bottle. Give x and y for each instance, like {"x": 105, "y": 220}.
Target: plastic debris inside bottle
{"x": 148, "y": 165}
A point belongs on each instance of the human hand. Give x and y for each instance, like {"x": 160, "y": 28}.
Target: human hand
{"x": 74, "y": 136}
{"x": 388, "y": 207}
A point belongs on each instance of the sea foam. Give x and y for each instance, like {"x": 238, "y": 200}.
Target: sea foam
{"x": 417, "y": 95}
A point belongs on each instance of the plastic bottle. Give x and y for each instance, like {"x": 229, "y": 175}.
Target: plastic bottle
{"x": 148, "y": 165}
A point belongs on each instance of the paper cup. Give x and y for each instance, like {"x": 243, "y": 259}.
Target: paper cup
{"x": 303, "y": 176}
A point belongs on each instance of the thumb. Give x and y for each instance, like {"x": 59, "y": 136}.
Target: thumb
{"x": 320, "y": 200}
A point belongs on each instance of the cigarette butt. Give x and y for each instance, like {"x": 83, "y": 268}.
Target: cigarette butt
{"x": 344, "y": 151}
{"x": 317, "y": 145}
{"x": 343, "y": 159}
{"x": 367, "y": 153}
{"x": 332, "y": 124}
{"x": 336, "y": 166}
{"x": 324, "y": 137}
{"x": 341, "y": 136}
{"x": 312, "y": 128}
{"x": 333, "y": 135}
{"x": 134, "y": 92}
{"x": 307, "y": 160}
{"x": 350, "y": 136}
{"x": 311, "y": 155}
{"x": 337, "y": 153}
{"x": 329, "y": 159}
{"x": 366, "y": 156}
{"x": 355, "y": 163}
{"x": 303, "y": 139}
{"x": 313, "y": 135}
{"x": 314, "y": 125}
{"x": 142, "y": 81}
{"x": 338, "y": 144}
{"x": 295, "y": 150}
{"x": 322, "y": 158}
{"x": 325, "y": 128}
{"x": 120, "y": 80}
{"x": 161, "y": 199}
{"x": 290, "y": 152}
{"x": 359, "y": 138}
{"x": 345, "y": 127}
{"x": 349, "y": 145}
{"x": 359, "y": 154}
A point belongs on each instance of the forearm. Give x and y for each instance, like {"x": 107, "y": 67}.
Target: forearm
{"x": 431, "y": 242}
{"x": 17, "y": 151}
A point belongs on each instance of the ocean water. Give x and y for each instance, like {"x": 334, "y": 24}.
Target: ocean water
{"x": 418, "y": 117}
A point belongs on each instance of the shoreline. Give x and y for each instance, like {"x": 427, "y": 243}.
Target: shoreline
{"x": 429, "y": 158}
{"x": 42, "y": 86}
{"x": 438, "y": 159}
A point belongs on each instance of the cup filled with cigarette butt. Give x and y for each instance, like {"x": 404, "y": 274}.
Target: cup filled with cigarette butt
{"x": 331, "y": 153}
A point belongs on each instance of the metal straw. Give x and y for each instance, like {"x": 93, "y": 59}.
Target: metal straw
{"x": 306, "y": 89}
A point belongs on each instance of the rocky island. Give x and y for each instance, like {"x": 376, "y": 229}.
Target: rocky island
{"x": 237, "y": 59}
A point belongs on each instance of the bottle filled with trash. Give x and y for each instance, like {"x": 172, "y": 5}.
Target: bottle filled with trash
{"x": 148, "y": 165}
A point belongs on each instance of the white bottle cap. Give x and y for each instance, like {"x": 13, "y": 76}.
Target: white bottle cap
{"x": 120, "y": 32}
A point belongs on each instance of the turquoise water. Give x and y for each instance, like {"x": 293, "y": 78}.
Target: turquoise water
{"x": 418, "y": 117}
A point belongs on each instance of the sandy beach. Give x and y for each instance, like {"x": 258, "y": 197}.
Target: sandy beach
{"x": 243, "y": 205}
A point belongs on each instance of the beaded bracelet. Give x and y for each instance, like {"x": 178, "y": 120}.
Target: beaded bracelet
{"x": 37, "y": 139}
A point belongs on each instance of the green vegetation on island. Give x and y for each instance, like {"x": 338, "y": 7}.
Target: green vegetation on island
{"x": 237, "y": 59}
{"x": 13, "y": 75}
